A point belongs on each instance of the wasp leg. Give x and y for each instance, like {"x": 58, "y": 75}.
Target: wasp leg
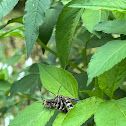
{"x": 50, "y": 108}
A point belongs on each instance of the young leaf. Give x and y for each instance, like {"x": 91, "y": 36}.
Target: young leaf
{"x": 6, "y": 6}
{"x": 59, "y": 119}
{"x": 35, "y": 10}
{"x": 26, "y": 83}
{"x": 104, "y": 5}
{"x": 34, "y": 115}
{"x": 52, "y": 78}
{"x": 111, "y": 80}
{"x": 65, "y": 28}
{"x": 112, "y": 113}
{"x": 81, "y": 112}
{"x": 92, "y": 17}
{"x": 114, "y": 27}
{"x": 106, "y": 57}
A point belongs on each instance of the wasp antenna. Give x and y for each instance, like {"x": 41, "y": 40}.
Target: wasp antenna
{"x": 42, "y": 98}
{"x": 39, "y": 102}
{"x": 59, "y": 90}
{"x": 50, "y": 111}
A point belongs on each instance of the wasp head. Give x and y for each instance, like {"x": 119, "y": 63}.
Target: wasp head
{"x": 47, "y": 103}
{"x": 44, "y": 102}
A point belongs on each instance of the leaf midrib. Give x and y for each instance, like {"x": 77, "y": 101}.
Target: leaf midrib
{"x": 109, "y": 59}
{"x": 120, "y": 109}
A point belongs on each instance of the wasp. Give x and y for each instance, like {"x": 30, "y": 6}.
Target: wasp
{"x": 61, "y": 103}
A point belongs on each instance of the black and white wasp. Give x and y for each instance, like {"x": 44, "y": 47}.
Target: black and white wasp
{"x": 61, "y": 103}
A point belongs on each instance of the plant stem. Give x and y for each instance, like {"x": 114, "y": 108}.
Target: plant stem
{"x": 85, "y": 52}
{"x": 54, "y": 53}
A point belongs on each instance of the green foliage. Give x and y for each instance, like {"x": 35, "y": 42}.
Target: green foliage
{"x": 109, "y": 81}
{"x": 92, "y": 17}
{"x": 17, "y": 20}
{"x": 4, "y": 86}
{"x": 87, "y": 38}
{"x": 65, "y": 28}
{"x": 23, "y": 85}
{"x": 52, "y": 78}
{"x": 106, "y": 57}
{"x": 59, "y": 119}
{"x": 119, "y": 15}
{"x": 6, "y": 6}
{"x": 104, "y": 5}
{"x": 114, "y": 27}
{"x": 16, "y": 31}
{"x": 50, "y": 122}
{"x": 114, "y": 115}
{"x": 46, "y": 29}
{"x": 35, "y": 115}
{"x": 35, "y": 13}
{"x": 81, "y": 111}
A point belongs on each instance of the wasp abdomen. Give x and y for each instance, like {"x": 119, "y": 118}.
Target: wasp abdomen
{"x": 68, "y": 104}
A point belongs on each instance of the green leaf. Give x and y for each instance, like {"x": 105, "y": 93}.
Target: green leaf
{"x": 112, "y": 79}
{"x": 65, "y": 28}
{"x": 16, "y": 31}
{"x": 114, "y": 27}
{"x": 47, "y": 26}
{"x": 112, "y": 5}
{"x": 52, "y": 78}
{"x": 81, "y": 112}
{"x": 33, "y": 115}
{"x": 27, "y": 83}
{"x": 111, "y": 113}
{"x": 17, "y": 20}
{"x": 35, "y": 13}
{"x": 59, "y": 119}
{"x": 92, "y": 17}
{"x": 106, "y": 57}
{"x": 6, "y": 6}
{"x": 119, "y": 15}
{"x": 4, "y": 85}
